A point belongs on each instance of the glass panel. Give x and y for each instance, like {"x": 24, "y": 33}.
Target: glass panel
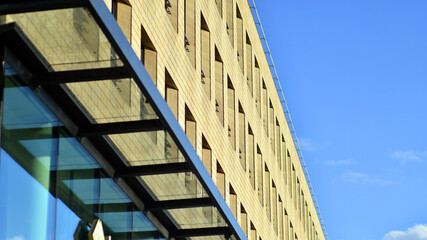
{"x": 143, "y": 228}
{"x": 26, "y": 206}
{"x": 68, "y": 39}
{"x": 174, "y": 186}
{"x": 200, "y": 217}
{"x": 142, "y": 148}
{"x": 66, "y": 222}
{"x": 117, "y": 222}
{"x": 111, "y": 193}
{"x": 110, "y": 100}
{"x": 29, "y": 137}
{"x": 72, "y": 156}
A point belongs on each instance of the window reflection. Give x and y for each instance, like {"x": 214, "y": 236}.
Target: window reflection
{"x": 53, "y": 187}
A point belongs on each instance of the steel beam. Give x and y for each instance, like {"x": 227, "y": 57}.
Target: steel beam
{"x": 200, "y": 232}
{"x": 179, "y": 204}
{"x": 85, "y": 75}
{"x": 120, "y": 128}
{"x": 154, "y": 169}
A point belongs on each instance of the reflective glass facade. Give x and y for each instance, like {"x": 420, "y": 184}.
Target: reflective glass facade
{"x": 53, "y": 187}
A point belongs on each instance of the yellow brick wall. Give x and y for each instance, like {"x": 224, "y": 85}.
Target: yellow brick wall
{"x": 120, "y": 100}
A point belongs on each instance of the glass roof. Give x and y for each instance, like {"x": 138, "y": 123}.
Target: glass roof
{"x": 70, "y": 40}
{"x": 174, "y": 186}
{"x": 200, "y": 217}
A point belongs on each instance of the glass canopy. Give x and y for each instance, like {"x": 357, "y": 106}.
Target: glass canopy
{"x": 103, "y": 97}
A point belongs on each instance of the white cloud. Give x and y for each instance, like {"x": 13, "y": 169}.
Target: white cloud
{"x": 362, "y": 178}
{"x": 355, "y": 177}
{"x": 417, "y": 232}
{"x": 345, "y": 162}
{"x": 18, "y": 237}
{"x": 409, "y": 156}
{"x": 308, "y": 145}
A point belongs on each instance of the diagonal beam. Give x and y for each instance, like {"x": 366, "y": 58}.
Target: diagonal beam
{"x": 154, "y": 169}
{"x": 200, "y": 232}
{"x": 180, "y": 203}
{"x": 121, "y": 127}
{"x": 84, "y": 75}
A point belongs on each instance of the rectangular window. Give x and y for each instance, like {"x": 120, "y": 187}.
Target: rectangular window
{"x": 249, "y": 74}
{"x": 148, "y": 55}
{"x": 190, "y": 127}
{"x": 206, "y": 155}
{"x": 242, "y": 137}
{"x": 229, "y": 20}
{"x": 306, "y": 216}
{"x": 311, "y": 224}
{"x": 190, "y": 30}
{"x": 219, "y": 87}
{"x": 251, "y": 157}
{"x": 287, "y": 226}
{"x": 259, "y": 175}
{"x": 171, "y": 97}
{"x": 277, "y": 141}
{"x": 297, "y": 197}
{"x": 257, "y": 87}
{"x": 291, "y": 231}
{"x": 231, "y": 114}
{"x": 171, "y": 94}
{"x": 280, "y": 221}
{"x": 271, "y": 126}
{"x": 289, "y": 175}
{"x": 239, "y": 37}
{"x": 220, "y": 179}
{"x": 244, "y": 219}
{"x": 205, "y": 57}
{"x": 233, "y": 201}
{"x": 171, "y": 7}
{"x": 274, "y": 205}
{"x": 267, "y": 192}
{"x": 283, "y": 158}
{"x": 219, "y": 6}
{"x": 301, "y": 203}
{"x": 122, "y": 11}
{"x": 264, "y": 106}
{"x": 253, "y": 232}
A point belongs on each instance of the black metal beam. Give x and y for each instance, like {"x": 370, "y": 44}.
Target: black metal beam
{"x": 121, "y": 127}
{"x": 19, "y": 134}
{"x": 22, "y": 6}
{"x": 111, "y": 207}
{"x": 137, "y": 235}
{"x": 180, "y": 203}
{"x": 91, "y": 173}
{"x": 82, "y": 75}
{"x": 153, "y": 169}
{"x": 200, "y": 232}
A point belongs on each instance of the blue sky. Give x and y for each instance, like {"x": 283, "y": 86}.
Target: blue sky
{"x": 355, "y": 79}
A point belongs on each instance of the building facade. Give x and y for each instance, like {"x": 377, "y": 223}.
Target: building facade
{"x": 159, "y": 117}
